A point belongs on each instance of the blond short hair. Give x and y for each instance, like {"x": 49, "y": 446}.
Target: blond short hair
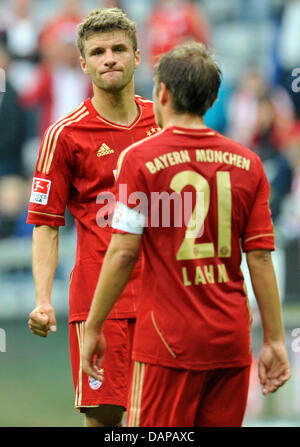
{"x": 103, "y": 20}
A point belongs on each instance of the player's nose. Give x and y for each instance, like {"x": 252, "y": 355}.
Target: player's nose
{"x": 109, "y": 58}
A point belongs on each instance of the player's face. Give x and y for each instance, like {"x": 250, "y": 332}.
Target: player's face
{"x": 110, "y": 60}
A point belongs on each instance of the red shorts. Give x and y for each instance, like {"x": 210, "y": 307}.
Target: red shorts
{"x": 113, "y": 389}
{"x": 165, "y": 397}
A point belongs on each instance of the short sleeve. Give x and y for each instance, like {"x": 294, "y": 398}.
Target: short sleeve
{"x": 52, "y": 181}
{"x": 259, "y": 233}
{"x": 131, "y": 211}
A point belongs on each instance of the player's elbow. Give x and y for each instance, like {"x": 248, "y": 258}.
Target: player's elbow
{"x": 127, "y": 257}
{"x": 46, "y": 230}
{"x": 258, "y": 259}
{"x": 43, "y": 235}
{"x": 125, "y": 249}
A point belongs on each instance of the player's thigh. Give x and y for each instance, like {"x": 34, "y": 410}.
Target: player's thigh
{"x": 163, "y": 397}
{"x": 112, "y": 389}
{"x": 104, "y": 416}
{"x": 225, "y": 398}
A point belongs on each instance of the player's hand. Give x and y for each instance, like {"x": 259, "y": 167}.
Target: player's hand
{"x": 42, "y": 320}
{"x": 92, "y": 355}
{"x": 273, "y": 367}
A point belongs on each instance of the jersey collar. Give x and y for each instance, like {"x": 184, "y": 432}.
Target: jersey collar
{"x": 90, "y": 106}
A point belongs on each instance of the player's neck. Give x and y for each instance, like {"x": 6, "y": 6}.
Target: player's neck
{"x": 117, "y": 107}
{"x": 185, "y": 120}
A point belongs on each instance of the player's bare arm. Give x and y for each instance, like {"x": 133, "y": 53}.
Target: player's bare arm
{"x": 117, "y": 267}
{"x": 44, "y": 262}
{"x": 274, "y": 368}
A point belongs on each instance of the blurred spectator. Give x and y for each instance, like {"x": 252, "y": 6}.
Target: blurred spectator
{"x": 58, "y": 84}
{"x": 65, "y": 22}
{"x": 172, "y": 22}
{"x": 20, "y": 36}
{"x": 13, "y": 199}
{"x": 266, "y": 143}
{"x": 284, "y": 115}
{"x": 288, "y": 47}
{"x": 243, "y": 109}
{"x": 243, "y": 106}
{"x": 12, "y": 126}
{"x": 289, "y": 221}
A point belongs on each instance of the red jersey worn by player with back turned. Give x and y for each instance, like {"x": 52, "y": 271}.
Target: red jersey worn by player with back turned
{"x": 193, "y": 313}
{"x": 76, "y": 163}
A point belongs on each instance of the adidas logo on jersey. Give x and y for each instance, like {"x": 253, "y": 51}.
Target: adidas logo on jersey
{"x": 104, "y": 150}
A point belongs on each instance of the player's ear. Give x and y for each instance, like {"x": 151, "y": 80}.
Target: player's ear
{"x": 83, "y": 64}
{"x": 163, "y": 93}
{"x": 137, "y": 58}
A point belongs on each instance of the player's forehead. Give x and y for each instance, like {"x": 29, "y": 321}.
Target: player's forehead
{"x": 108, "y": 39}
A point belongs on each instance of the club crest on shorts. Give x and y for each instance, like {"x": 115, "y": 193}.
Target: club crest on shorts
{"x": 96, "y": 384}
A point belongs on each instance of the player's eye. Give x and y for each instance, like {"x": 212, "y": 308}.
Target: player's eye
{"x": 97, "y": 51}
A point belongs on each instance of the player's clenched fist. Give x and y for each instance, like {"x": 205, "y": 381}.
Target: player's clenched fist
{"x": 42, "y": 320}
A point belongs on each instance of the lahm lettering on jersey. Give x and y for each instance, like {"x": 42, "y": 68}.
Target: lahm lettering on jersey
{"x": 206, "y": 274}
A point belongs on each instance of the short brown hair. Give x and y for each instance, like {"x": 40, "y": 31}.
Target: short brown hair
{"x": 103, "y": 20}
{"x": 192, "y": 77}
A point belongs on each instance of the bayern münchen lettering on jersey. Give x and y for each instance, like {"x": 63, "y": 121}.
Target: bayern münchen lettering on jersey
{"x": 75, "y": 169}
{"x": 193, "y": 311}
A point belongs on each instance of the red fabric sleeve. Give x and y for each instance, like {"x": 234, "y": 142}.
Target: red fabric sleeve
{"x": 130, "y": 181}
{"x": 259, "y": 233}
{"x": 53, "y": 171}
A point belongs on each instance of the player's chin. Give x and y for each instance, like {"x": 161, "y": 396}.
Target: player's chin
{"x": 113, "y": 87}
{"x": 114, "y": 84}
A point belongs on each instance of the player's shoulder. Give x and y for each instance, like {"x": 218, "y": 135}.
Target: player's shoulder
{"x": 234, "y": 146}
{"x": 57, "y": 138}
{"x": 74, "y": 119}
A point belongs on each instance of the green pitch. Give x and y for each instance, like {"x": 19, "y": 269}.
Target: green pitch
{"x": 36, "y": 388}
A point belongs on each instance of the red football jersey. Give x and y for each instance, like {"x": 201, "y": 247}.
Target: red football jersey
{"x": 193, "y": 309}
{"x": 75, "y": 169}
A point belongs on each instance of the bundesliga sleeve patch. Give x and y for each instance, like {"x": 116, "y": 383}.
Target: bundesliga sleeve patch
{"x": 40, "y": 191}
{"x": 128, "y": 220}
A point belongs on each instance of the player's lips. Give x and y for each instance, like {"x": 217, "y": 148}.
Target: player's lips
{"x": 110, "y": 71}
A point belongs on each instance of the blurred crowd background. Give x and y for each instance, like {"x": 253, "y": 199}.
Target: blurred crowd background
{"x": 256, "y": 43}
